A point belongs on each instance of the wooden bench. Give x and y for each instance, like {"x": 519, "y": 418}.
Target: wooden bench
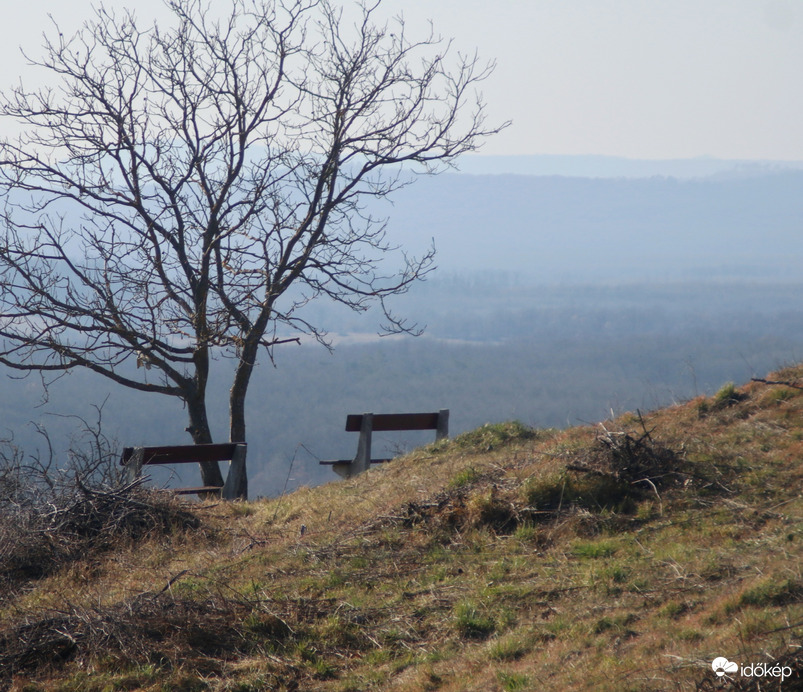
{"x": 134, "y": 458}
{"x": 367, "y": 423}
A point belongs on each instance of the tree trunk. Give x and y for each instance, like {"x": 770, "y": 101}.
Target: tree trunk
{"x": 199, "y": 429}
{"x": 237, "y": 486}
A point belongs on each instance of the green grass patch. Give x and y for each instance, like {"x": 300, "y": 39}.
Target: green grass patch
{"x": 593, "y": 550}
{"x": 781, "y": 395}
{"x": 465, "y": 477}
{"x": 492, "y": 436}
{"x": 513, "y": 682}
{"x": 618, "y": 624}
{"x": 773, "y": 593}
{"x": 471, "y": 622}
{"x": 510, "y": 648}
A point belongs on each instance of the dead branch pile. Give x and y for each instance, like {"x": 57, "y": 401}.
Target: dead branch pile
{"x": 37, "y": 541}
{"x": 635, "y": 459}
{"x": 103, "y": 517}
{"x": 490, "y": 504}
{"x": 153, "y": 627}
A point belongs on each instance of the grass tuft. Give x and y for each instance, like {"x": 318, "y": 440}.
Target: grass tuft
{"x": 471, "y": 622}
{"x": 492, "y": 436}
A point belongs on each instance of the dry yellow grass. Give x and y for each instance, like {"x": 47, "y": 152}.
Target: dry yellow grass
{"x": 618, "y": 557}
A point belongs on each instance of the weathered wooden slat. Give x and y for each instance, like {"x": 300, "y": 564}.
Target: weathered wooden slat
{"x": 333, "y": 462}
{"x": 395, "y": 421}
{"x": 182, "y": 454}
{"x": 196, "y": 491}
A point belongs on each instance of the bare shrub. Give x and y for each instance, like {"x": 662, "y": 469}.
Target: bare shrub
{"x": 12, "y": 485}
{"x": 36, "y": 542}
{"x": 43, "y": 476}
{"x": 52, "y": 514}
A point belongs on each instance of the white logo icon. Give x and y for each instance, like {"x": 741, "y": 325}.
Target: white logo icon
{"x": 722, "y": 665}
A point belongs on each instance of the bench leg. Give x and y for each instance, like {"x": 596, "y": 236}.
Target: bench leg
{"x": 442, "y": 432}
{"x": 362, "y": 462}
{"x": 134, "y": 466}
{"x": 236, "y": 479}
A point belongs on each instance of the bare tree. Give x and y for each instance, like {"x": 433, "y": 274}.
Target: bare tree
{"x": 179, "y": 192}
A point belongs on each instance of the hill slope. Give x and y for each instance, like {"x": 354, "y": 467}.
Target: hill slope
{"x": 622, "y": 556}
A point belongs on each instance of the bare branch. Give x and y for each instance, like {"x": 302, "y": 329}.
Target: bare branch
{"x": 168, "y": 198}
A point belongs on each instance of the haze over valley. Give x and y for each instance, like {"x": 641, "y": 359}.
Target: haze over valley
{"x": 557, "y": 300}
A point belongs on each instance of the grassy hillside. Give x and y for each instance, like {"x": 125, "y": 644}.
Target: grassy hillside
{"x": 621, "y": 556}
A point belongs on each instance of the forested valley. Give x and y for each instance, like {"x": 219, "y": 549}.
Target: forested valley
{"x": 495, "y": 348}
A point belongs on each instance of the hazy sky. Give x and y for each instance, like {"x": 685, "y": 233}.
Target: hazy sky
{"x": 634, "y": 78}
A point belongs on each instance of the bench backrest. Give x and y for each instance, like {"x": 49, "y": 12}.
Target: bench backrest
{"x": 182, "y": 454}
{"x": 395, "y": 421}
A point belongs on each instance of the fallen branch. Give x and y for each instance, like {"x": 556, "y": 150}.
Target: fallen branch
{"x": 778, "y": 382}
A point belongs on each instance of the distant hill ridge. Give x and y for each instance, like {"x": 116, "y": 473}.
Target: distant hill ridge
{"x": 584, "y": 229}
{"x": 620, "y": 167}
